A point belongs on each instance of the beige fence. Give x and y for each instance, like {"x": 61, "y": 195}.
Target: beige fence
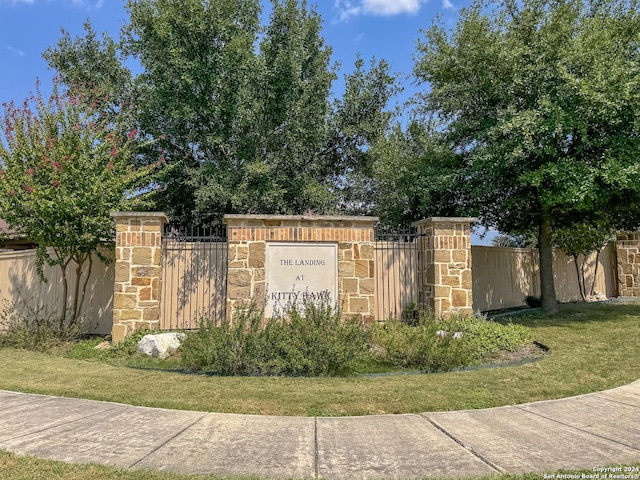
{"x": 396, "y": 277}
{"x": 503, "y": 277}
{"x": 21, "y": 286}
{"x": 193, "y": 283}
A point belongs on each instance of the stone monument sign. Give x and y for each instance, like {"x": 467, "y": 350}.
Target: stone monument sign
{"x": 296, "y": 272}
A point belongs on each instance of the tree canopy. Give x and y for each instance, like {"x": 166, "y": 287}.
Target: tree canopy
{"x": 540, "y": 101}
{"x": 63, "y": 169}
{"x": 243, "y": 111}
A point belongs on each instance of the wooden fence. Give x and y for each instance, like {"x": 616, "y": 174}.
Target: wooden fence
{"x": 194, "y": 281}
{"x": 21, "y": 286}
{"x": 503, "y": 277}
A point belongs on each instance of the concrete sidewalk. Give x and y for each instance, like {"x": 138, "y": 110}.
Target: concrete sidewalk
{"x": 580, "y": 432}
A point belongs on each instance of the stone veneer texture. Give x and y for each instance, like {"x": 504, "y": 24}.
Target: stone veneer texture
{"x": 444, "y": 271}
{"x": 248, "y": 235}
{"x": 628, "y": 252}
{"x": 136, "y": 301}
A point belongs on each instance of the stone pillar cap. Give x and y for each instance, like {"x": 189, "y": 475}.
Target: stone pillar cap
{"x": 310, "y": 218}
{"x": 445, "y": 220}
{"x": 156, "y": 215}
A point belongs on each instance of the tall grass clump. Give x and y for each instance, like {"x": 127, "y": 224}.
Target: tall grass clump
{"x": 308, "y": 340}
{"x": 36, "y": 328}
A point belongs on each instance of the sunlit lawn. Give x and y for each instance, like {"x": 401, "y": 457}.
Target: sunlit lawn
{"x": 592, "y": 347}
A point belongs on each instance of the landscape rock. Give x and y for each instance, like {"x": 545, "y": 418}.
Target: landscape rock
{"x": 598, "y": 297}
{"x": 160, "y": 345}
{"x": 444, "y": 333}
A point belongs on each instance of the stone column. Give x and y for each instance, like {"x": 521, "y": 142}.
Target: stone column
{"x": 628, "y": 253}
{"x": 136, "y": 298}
{"x": 444, "y": 265}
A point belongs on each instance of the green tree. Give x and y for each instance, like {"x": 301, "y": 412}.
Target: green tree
{"x": 416, "y": 175}
{"x": 243, "y": 112}
{"x": 579, "y": 241}
{"x": 63, "y": 169}
{"x": 540, "y": 100}
{"x": 360, "y": 119}
{"x": 93, "y": 67}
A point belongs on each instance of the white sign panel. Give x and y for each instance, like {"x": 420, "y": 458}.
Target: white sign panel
{"x": 300, "y": 271}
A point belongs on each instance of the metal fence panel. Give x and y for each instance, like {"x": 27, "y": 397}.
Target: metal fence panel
{"x": 396, "y": 272}
{"x": 194, "y": 277}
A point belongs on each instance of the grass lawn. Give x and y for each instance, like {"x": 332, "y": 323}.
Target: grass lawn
{"x": 14, "y": 467}
{"x": 593, "y": 347}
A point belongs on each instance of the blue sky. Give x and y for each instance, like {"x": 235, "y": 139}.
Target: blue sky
{"x": 384, "y": 29}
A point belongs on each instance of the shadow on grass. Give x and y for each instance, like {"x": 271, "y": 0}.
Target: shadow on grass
{"x": 572, "y": 314}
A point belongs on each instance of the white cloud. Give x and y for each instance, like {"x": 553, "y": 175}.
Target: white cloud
{"x": 351, "y": 8}
{"x": 391, "y": 7}
{"x": 358, "y": 38}
{"x": 346, "y": 9}
{"x": 14, "y": 52}
{"x": 447, "y": 5}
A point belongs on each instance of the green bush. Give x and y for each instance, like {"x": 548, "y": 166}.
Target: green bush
{"x": 35, "y": 328}
{"x": 310, "y": 340}
{"x": 487, "y": 337}
{"x": 398, "y": 344}
{"x": 445, "y": 344}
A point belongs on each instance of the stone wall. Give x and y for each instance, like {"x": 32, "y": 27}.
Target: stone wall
{"x": 628, "y": 252}
{"x": 248, "y": 236}
{"x": 136, "y": 301}
{"x": 444, "y": 265}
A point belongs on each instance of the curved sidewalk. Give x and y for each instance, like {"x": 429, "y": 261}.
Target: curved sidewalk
{"x": 580, "y": 432}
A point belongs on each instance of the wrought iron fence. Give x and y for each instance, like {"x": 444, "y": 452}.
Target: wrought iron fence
{"x": 194, "y": 276}
{"x": 396, "y": 272}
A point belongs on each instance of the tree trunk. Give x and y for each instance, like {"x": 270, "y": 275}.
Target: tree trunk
{"x": 581, "y": 284}
{"x": 84, "y": 285}
{"x": 76, "y": 291}
{"x": 549, "y": 301}
{"x": 65, "y": 289}
{"x": 595, "y": 274}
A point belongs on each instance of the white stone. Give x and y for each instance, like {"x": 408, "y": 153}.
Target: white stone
{"x": 598, "y": 297}
{"x": 160, "y": 345}
{"x": 442, "y": 333}
{"x": 457, "y": 335}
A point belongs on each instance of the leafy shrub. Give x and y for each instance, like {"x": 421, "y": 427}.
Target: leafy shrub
{"x": 35, "y": 328}
{"x": 401, "y": 345}
{"x": 313, "y": 340}
{"x": 533, "y": 301}
{"x": 487, "y": 337}
{"x": 434, "y": 346}
{"x": 308, "y": 340}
